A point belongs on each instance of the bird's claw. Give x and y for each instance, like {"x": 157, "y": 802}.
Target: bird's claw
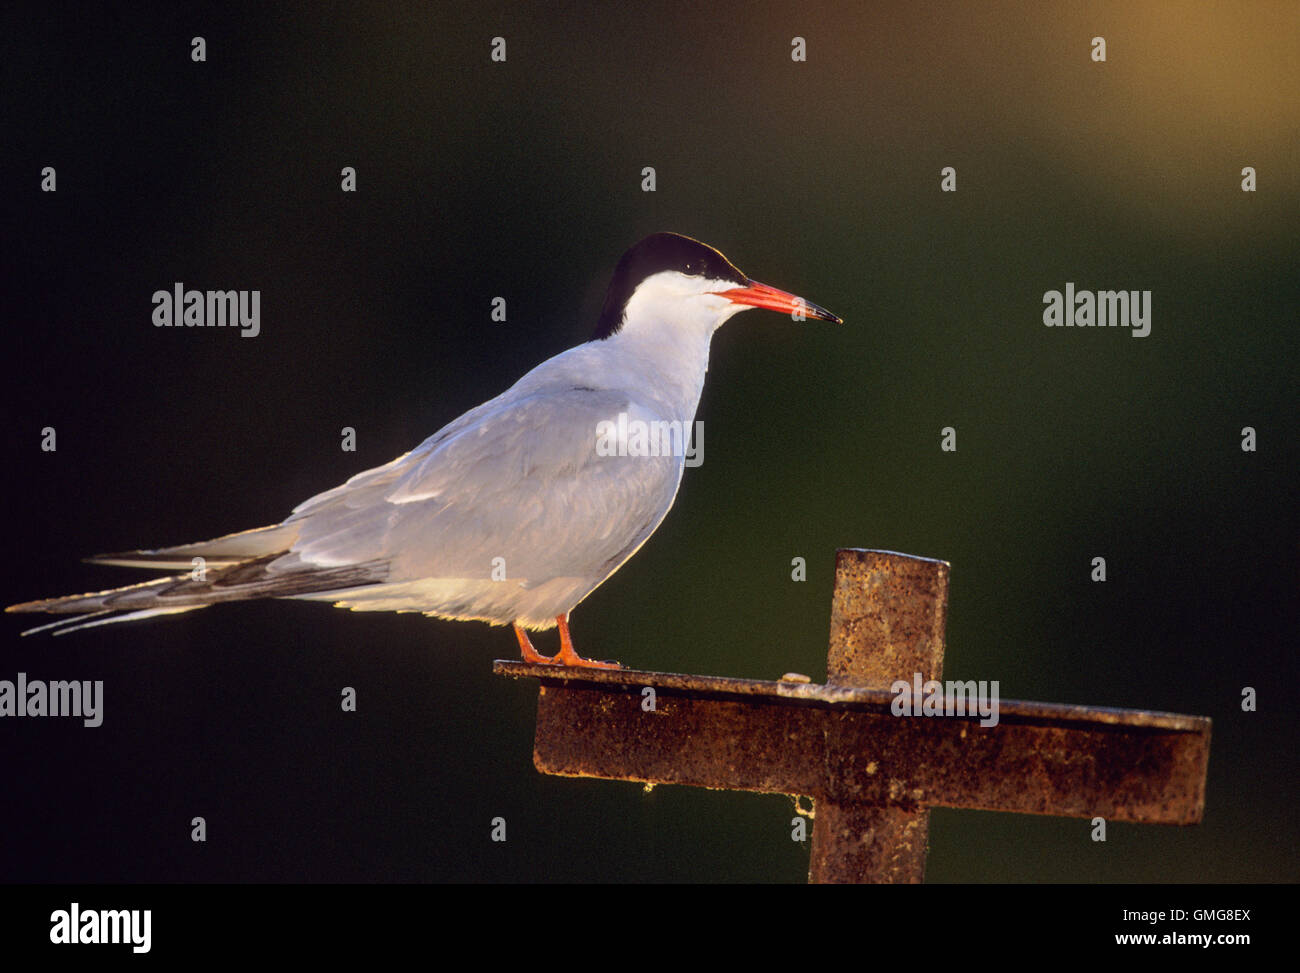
{"x": 567, "y": 656}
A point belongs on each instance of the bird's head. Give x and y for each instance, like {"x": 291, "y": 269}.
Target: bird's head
{"x": 670, "y": 279}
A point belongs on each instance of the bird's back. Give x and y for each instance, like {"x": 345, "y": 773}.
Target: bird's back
{"x": 533, "y": 491}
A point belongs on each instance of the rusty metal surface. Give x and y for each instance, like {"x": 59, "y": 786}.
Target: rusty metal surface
{"x": 888, "y": 616}
{"x": 847, "y": 697}
{"x": 855, "y": 843}
{"x": 703, "y": 742}
{"x": 1125, "y": 765}
{"x": 872, "y": 775}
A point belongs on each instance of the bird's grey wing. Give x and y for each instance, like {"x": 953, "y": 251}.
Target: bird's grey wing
{"x": 520, "y": 478}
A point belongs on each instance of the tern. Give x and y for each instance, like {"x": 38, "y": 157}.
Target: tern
{"x": 512, "y": 514}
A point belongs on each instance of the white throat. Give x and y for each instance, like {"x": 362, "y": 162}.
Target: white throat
{"x": 668, "y": 325}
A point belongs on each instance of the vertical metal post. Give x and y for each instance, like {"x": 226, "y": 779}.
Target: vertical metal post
{"x": 888, "y": 616}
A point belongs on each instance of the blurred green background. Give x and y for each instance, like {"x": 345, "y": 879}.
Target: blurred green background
{"x": 522, "y": 179}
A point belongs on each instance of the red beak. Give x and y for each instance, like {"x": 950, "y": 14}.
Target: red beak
{"x": 760, "y": 295}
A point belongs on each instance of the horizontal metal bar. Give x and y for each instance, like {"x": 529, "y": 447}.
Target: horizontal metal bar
{"x": 844, "y": 744}
{"x": 843, "y": 697}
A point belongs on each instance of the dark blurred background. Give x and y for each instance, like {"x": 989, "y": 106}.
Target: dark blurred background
{"x": 522, "y": 179}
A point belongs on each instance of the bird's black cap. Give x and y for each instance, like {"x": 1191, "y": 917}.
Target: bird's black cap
{"x": 653, "y": 255}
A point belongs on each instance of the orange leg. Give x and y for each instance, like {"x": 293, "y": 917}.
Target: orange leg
{"x": 568, "y": 657}
{"x": 528, "y": 652}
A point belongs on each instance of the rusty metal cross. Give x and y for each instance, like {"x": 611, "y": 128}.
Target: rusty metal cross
{"x": 872, "y": 775}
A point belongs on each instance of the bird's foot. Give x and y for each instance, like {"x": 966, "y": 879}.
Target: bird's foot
{"x": 571, "y": 658}
{"x": 567, "y": 656}
{"x": 528, "y": 653}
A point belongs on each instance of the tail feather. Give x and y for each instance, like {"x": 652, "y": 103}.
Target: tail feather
{"x": 93, "y": 601}
{"x": 240, "y": 581}
{"x": 223, "y": 551}
{"x": 48, "y": 626}
{"x": 77, "y": 622}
